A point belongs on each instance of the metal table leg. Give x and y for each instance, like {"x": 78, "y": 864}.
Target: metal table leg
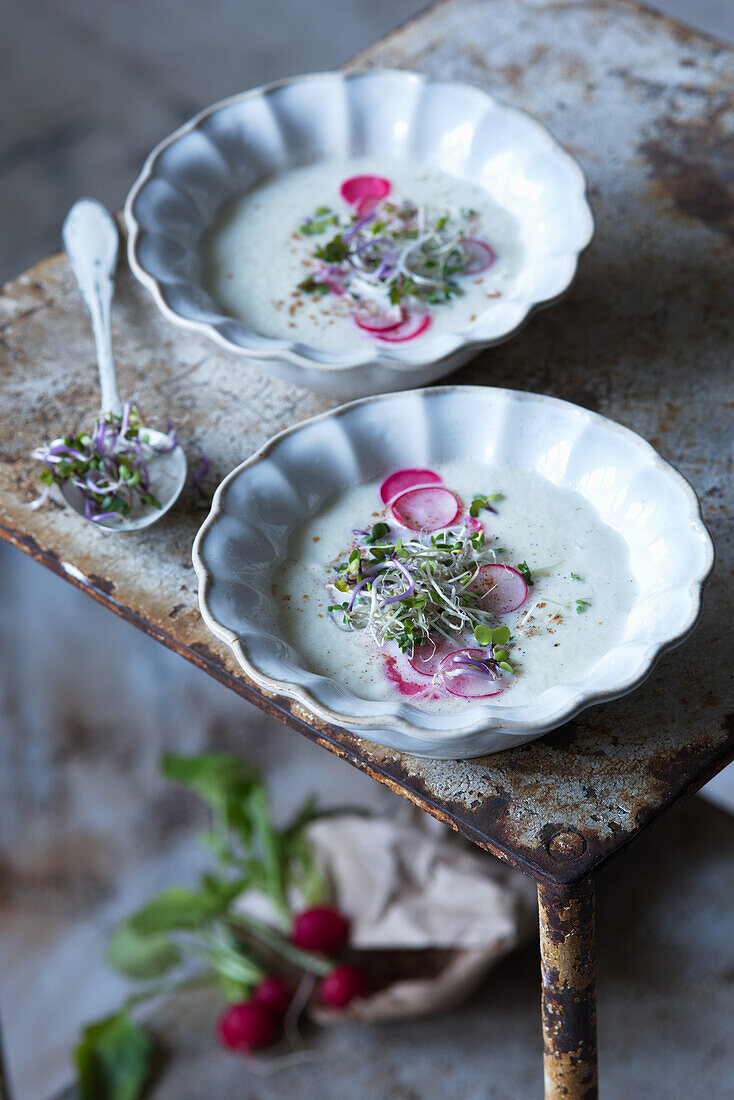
{"x": 568, "y": 972}
{"x": 4, "y": 1083}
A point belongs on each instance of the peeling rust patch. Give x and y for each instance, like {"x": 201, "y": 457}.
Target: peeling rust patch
{"x": 101, "y": 583}
{"x": 207, "y": 654}
{"x": 694, "y": 163}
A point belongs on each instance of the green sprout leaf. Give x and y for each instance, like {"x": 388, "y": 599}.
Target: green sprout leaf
{"x": 483, "y": 635}
{"x": 581, "y": 606}
{"x": 501, "y": 635}
{"x": 506, "y": 666}
{"x": 333, "y": 252}
{"x": 480, "y": 501}
{"x": 524, "y": 569}
{"x": 379, "y": 531}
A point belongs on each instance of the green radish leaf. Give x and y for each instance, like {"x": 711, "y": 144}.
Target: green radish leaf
{"x": 232, "y": 989}
{"x": 181, "y": 908}
{"x": 141, "y": 956}
{"x": 216, "y": 777}
{"x": 501, "y": 635}
{"x": 223, "y": 782}
{"x": 270, "y": 849}
{"x": 113, "y": 1059}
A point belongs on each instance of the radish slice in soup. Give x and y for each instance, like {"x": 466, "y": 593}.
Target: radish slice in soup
{"x": 504, "y": 589}
{"x": 469, "y": 683}
{"x": 357, "y": 188}
{"x": 427, "y": 658}
{"x": 426, "y": 509}
{"x": 402, "y": 480}
{"x": 366, "y": 205}
{"x": 378, "y": 321}
{"x": 412, "y": 326}
{"x": 479, "y": 256}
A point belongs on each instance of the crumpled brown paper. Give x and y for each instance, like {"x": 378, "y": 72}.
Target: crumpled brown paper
{"x": 411, "y": 887}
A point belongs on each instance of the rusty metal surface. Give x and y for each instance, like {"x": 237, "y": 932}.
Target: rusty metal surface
{"x": 568, "y": 989}
{"x": 644, "y": 336}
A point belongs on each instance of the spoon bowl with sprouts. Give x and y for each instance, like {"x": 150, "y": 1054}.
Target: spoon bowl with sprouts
{"x": 120, "y": 475}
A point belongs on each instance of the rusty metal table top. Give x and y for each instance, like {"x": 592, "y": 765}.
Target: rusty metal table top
{"x": 645, "y": 336}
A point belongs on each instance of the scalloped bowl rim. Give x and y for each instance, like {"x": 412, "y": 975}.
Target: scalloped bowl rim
{"x": 298, "y": 353}
{"x": 491, "y": 717}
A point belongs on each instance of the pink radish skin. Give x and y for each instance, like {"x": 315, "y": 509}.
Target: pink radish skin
{"x": 470, "y": 685}
{"x": 377, "y": 323}
{"x": 480, "y": 256}
{"x": 411, "y": 327}
{"x": 427, "y": 509}
{"x": 358, "y": 188}
{"x": 402, "y": 480}
{"x": 505, "y": 588}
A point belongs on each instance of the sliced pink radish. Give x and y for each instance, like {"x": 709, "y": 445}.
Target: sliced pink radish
{"x": 399, "y": 672}
{"x": 366, "y": 205}
{"x": 413, "y": 325}
{"x": 469, "y": 683}
{"x": 427, "y": 658}
{"x": 402, "y": 480}
{"x": 377, "y": 321}
{"x": 365, "y": 187}
{"x": 472, "y": 524}
{"x": 479, "y": 255}
{"x": 426, "y": 509}
{"x": 503, "y": 588}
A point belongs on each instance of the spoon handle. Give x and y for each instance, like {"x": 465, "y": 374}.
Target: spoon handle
{"x": 91, "y": 243}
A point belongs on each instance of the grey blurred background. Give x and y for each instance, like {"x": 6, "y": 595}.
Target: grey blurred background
{"x": 87, "y": 704}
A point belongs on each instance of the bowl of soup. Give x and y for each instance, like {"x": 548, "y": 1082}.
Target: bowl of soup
{"x": 452, "y": 571}
{"x": 357, "y": 232}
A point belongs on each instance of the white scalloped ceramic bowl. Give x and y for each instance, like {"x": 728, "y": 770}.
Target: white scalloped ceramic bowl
{"x": 234, "y": 145}
{"x": 259, "y": 504}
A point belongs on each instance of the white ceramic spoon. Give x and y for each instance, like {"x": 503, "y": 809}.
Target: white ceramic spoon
{"x": 91, "y": 241}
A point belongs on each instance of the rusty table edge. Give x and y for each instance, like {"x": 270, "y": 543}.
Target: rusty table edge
{"x": 341, "y": 744}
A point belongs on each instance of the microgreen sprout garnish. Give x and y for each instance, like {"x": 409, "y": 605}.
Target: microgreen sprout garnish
{"x": 109, "y": 465}
{"x": 322, "y": 218}
{"x": 481, "y": 502}
{"x": 412, "y": 589}
{"x": 495, "y": 639}
{"x": 581, "y": 606}
{"x": 393, "y": 257}
{"x": 574, "y": 576}
{"x": 524, "y": 569}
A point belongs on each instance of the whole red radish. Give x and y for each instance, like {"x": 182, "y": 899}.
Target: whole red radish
{"x": 274, "y": 994}
{"x": 246, "y": 1026}
{"x": 342, "y": 986}
{"x": 322, "y": 929}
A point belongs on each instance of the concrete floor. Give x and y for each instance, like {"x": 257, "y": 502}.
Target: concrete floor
{"x": 666, "y": 993}
{"x": 86, "y": 829}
